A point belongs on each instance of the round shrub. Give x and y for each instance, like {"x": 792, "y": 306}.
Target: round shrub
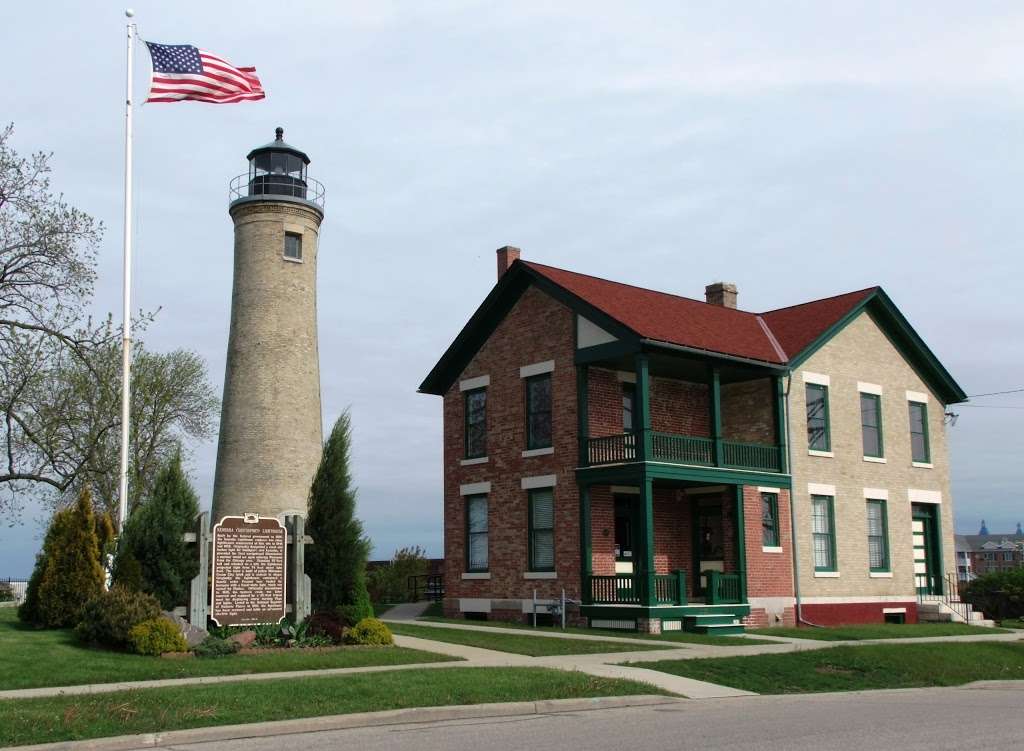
{"x": 369, "y": 632}
{"x": 156, "y": 636}
{"x": 107, "y": 619}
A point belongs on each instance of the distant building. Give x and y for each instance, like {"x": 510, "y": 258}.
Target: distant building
{"x": 985, "y": 553}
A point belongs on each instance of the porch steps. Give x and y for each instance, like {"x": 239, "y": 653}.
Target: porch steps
{"x": 936, "y": 611}
{"x": 718, "y": 624}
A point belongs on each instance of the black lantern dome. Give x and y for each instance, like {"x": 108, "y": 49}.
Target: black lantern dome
{"x": 277, "y": 172}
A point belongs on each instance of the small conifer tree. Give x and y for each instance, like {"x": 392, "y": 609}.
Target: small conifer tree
{"x": 152, "y": 555}
{"x": 68, "y": 572}
{"x": 336, "y": 562}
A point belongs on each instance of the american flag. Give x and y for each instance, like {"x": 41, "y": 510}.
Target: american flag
{"x": 181, "y": 71}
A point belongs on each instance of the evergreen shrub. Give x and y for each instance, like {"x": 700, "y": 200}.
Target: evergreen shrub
{"x": 108, "y": 619}
{"x": 369, "y": 632}
{"x": 155, "y": 637}
{"x": 214, "y": 646}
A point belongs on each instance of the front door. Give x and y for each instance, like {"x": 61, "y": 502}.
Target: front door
{"x": 708, "y": 551}
{"x": 927, "y": 567}
{"x": 625, "y": 546}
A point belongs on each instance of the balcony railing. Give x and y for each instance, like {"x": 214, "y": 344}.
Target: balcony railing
{"x": 723, "y": 589}
{"x": 624, "y": 589}
{"x": 684, "y": 449}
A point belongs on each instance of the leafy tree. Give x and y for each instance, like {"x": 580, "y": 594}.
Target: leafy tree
{"x": 68, "y": 573}
{"x": 60, "y": 372}
{"x": 391, "y": 583}
{"x": 152, "y": 556}
{"x": 336, "y": 561}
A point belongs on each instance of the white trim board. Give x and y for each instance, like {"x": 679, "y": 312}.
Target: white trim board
{"x": 538, "y": 481}
{"x": 818, "y": 488}
{"x": 876, "y": 494}
{"x": 479, "y": 382}
{"x": 475, "y": 488}
{"x": 917, "y": 396}
{"x": 819, "y": 379}
{"x": 537, "y": 368}
{"x": 924, "y": 496}
{"x": 869, "y": 388}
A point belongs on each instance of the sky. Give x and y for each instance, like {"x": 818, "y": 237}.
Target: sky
{"x": 798, "y": 149}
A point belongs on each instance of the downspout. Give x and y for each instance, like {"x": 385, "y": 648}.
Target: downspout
{"x": 792, "y": 514}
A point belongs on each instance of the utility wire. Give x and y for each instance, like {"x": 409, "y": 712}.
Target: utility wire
{"x": 997, "y": 393}
{"x": 990, "y": 406}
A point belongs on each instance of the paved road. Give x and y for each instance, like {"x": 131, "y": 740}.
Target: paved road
{"x": 931, "y": 719}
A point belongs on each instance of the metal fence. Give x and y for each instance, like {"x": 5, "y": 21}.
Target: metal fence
{"x": 17, "y": 588}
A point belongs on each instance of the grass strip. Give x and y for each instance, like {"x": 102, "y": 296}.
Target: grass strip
{"x": 683, "y": 637}
{"x": 880, "y": 631}
{"x": 854, "y": 668}
{"x": 527, "y": 644}
{"x": 31, "y": 658}
{"x": 153, "y": 710}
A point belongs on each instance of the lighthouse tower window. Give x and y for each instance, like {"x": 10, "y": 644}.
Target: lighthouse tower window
{"x": 293, "y": 246}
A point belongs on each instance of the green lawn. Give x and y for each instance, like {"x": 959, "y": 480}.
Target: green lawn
{"x": 527, "y": 644}
{"x": 31, "y": 658}
{"x": 853, "y": 668}
{"x": 160, "y": 709}
{"x": 879, "y": 631}
{"x": 1012, "y": 623}
{"x": 672, "y": 636}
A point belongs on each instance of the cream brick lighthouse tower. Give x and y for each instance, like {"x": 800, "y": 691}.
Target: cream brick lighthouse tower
{"x": 270, "y": 430}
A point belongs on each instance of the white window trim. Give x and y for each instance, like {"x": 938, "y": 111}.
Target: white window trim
{"x": 826, "y": 574}
{"x": 625, "y": 490}
{"x": 876, "y": 494}
{"x": 290, "y": 259}
{"x": 817, "y": 378}
{"x": 537, "y": 368}
{"x": 624, "y": 376}
{"x": 880, "y": 574}
{"x": 894, "y": 610}
{"x": 538, "y": 452}
{"x": 538, "y": 481}
{"x": 771, "y": 549}
{"x": 815, "y": 452}
{"x": 875, "y": 459}
{"x": 923, "y": 465}
{"x": 468, "y": 575}
{"x": 479, "y": 382}
{"x": 475, "y": 488}
{"x": 817, "y": 488}
{"x": 869, "y": 388}
{"x": 917, "y": 396}
{"x": 769, "y": 490}
{"x": 924, "y": 496}
{"x": 477, "y": 460}
{"x": 540, "y": 574}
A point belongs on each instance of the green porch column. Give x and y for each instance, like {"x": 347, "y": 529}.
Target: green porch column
{"x": 741, "y": 543}
{"x": 780, "y": 423}
{"x": 642, "y": 408}
{"x": 645, "y": 559}
{"x": 582, "y": 412}
{"x": 586, "y": 555}
{"x": 715, "y": 403}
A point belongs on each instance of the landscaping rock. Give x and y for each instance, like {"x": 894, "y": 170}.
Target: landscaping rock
{"x": 243, "y": 639}
{"x": 193, "y": 634}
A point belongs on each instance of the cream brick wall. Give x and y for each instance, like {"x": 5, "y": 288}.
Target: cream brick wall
{"x": 862, "y": 352}
{"x": 271, "y": 434}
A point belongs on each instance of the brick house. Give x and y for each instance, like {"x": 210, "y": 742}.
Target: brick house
{"x": 985, "y": 553}
{"x": 650, "y": 455}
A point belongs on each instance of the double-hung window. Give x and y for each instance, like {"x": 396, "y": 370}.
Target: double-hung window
{"x": 878, "y": 536}
{"x": 476, "y": 533}
{"x": 818, "y": 438}
{"x": 919, "y": 449}
{"x": 770, "y": 520}
{"x": 542, "y": 529}
{"x": 871, "y": 425}
{"x": 293, "y": 246}
{"x": 628, "y": 400}
{"x": 476, "y": 423}
{"x": 538, "y": 411}
{"x": 823, "y": 533}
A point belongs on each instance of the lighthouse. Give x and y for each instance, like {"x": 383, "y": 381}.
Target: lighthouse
{"x": 271, "y": 435}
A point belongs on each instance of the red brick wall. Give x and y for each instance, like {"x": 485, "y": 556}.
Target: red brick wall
{"x": 759, "y": 618}
{"x": 537, "y": 329}
{"x": 768, "y": 574}
{"x": 602, "y": 530}
{"x": 748, "y": 411}
{"x": 678, "y": 407}
{"x": 604, "y": 402}
{"x": 839, "y": 613}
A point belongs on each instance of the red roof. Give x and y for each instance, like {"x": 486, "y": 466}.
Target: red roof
{"x": 773, "y": 337}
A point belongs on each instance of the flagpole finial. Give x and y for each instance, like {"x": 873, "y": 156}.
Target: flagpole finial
{"x": 278, "y": 133}
{"x": 129, "y": 12}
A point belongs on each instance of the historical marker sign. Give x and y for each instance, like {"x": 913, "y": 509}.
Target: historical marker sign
{"x": 249, "y": 554}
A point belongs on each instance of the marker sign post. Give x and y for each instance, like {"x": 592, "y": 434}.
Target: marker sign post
{"x": 249, "y": 571}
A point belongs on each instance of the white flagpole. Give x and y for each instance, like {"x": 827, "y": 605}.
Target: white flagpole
{"x": 126, "y": 326}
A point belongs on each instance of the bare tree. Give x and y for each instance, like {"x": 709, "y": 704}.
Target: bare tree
{"x": 60, "y": 374}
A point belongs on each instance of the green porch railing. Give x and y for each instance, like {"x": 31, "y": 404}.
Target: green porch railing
{"x": 751, "y": 456}
{"x": 682, "y": 449}
{"x": 722, "y": 589}
{"x": 624, "y": 589}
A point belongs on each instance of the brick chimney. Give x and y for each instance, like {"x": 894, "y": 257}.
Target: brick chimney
{"x": 507, "y": 255}
{"x": 721, "y": 293}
